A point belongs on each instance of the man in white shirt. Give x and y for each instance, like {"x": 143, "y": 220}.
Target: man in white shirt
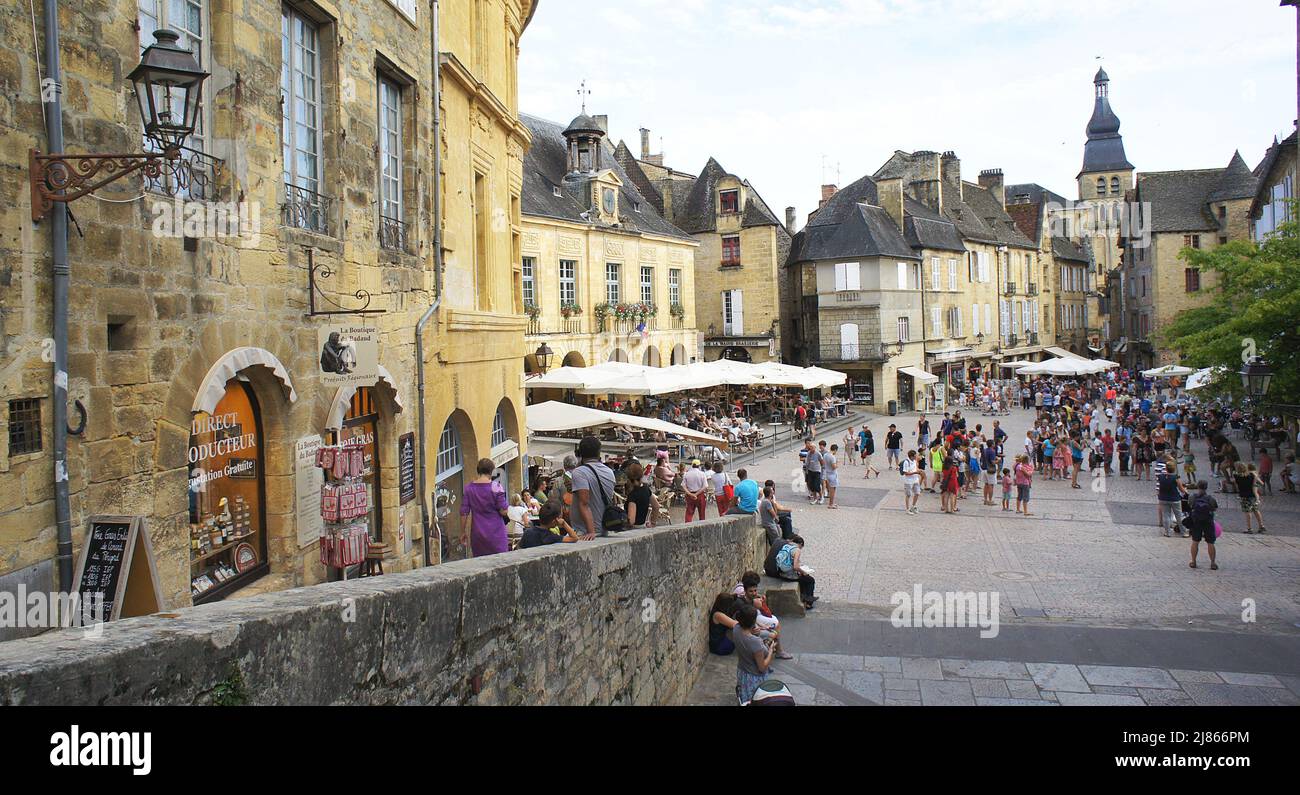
{"x": 911, "y": 482}
{"x": 695, "y": 483}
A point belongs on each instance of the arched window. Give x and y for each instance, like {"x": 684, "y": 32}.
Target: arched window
{"x": 1114, "y": 186}
{"x": 449, "y": 457}
{"x": 1101, "y": 186}
{"x": 499, "y": 434}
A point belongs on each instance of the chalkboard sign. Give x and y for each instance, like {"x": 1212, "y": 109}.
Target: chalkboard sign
{"x": 117, "y": 568}
{"x": 406, "y": 468}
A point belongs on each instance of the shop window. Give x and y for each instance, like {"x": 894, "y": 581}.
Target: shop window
{"x": 361, "y": 430}
{"x": 226, "y": 496}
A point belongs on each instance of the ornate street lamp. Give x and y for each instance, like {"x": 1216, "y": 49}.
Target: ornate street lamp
{"x": 544, "y": 355}
{"x": 168, "y": 88}
{"x": 1256, "y": 376}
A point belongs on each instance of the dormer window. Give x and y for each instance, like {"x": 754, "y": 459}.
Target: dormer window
{"x": 730, "y": 202}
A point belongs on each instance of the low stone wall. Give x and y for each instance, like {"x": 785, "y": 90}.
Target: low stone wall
{"x": 565, "y": 624}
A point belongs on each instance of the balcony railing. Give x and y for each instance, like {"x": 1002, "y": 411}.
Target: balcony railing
{"x": 1012, "y": 340}
{"x": 392, "y": 234}
{"x": 1033, "y": 338}
{"x": 1010, "y": 288}
{"x": 1033, "y": 289}
{"x": 847, "y": 297}
{"x": 306, "y": 209}
{"x": 191, "y": 176}
{"x": 534, "y": 326}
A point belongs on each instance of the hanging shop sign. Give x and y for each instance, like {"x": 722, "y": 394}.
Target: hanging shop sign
{"x": 349, "y": 354}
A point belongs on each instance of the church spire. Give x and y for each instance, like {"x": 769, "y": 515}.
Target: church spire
{"x": 1104, "y": 150}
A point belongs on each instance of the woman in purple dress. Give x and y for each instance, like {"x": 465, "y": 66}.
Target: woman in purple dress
{"x": 485, "y": 505}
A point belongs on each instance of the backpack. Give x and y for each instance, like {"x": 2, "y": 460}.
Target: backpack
{"x": 614, "y": 519}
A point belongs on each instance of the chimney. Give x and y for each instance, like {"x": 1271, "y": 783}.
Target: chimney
{"x": 950, "y": 173}
{"x": 789, "y": 220}
{"x": 890, "y": 193}
{"x": 645, "y": 143}
{"x": 602, "y": 122}
{"x": 827, "y": 192}
{"x": 991, "y": 178}
{"x": 926, "y": 186}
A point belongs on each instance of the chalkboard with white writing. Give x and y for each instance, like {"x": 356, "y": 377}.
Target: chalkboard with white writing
{"x": 116, "y": 550}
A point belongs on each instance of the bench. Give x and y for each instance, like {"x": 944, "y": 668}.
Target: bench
{"x": 782, "y": 596}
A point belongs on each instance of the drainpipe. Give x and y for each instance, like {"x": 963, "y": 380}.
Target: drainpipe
{"x": 437, "y": 282}
{"x": 59, "y": 240}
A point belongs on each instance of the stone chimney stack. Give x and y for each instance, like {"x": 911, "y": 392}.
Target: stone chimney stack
{"x": 789, "y": 220}
{"x": 927, "y": 184}
{"x": 827, "y": 192}
{"x": 890, "y": 193}
{"x": 950, "y": 170}
{"x": 645, "y": 143}
{"x": 602, "y": 122}
{"x": 992, "y": 180}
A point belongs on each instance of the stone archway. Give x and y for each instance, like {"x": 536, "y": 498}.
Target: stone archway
{"x": 679, "y": 354}
{"x": 573, "y": 359}
{"x": 652, "y": 358}
{"x": 618, "y": 355}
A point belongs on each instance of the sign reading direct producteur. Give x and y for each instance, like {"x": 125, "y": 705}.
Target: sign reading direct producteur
{"x": 349, "y": 354}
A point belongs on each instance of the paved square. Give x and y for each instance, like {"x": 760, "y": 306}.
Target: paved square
{"x": 1094, "y": 606}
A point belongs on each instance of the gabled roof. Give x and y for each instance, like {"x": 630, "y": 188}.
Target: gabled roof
{"x": 1264, "y": 171}
{"x": 1180, "y": 200}
{"x": 924, "y": 228}
{"x": 1065, "y": 249}
{"x": 638, "y": 177}
{"x": 842, "y": 204}
{"x": 697, "y": 215}
{"x": 994, "y": 216}
{"x": 863, "y": 230}
{"x": 544, "y": 170}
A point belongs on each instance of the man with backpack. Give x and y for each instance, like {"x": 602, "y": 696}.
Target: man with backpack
{"x": 1201, "y": 522}
{"x": 593, "y": 488}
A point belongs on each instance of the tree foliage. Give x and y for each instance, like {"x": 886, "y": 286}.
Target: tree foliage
{"x": 1257, "y": 299}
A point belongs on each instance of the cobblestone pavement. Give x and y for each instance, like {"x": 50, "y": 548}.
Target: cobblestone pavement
{"x": 1090, "y": 562}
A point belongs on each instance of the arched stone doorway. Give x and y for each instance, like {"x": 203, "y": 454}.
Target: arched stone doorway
{"x": 457, "y": 450}
{"x": 652, "y": 358}
{"x": 573, "y": 359}
{"x": 736, "y": 354}
{"x": 679, "y": 354}
{"x": 618, "y": 355}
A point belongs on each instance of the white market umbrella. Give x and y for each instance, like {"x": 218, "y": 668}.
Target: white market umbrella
{"x": 1205, "y": 377}
{"x": 1058, "y": 367}
{"x": 1167, "y": 371}
{"x": 554, "y": 415}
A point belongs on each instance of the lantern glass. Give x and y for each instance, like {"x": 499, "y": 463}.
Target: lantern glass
{"x": 168, "y": 89}
{"x": 544, "y": 354}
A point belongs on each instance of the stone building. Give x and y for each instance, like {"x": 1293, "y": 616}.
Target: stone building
{"x": 1277, "y": 188}
{"x": 996, "y": 316}
{"x": 743, "y": 246}
{"x": 592, "y": 242}
{"x": 186, "y": 345}
{"x": 1199, "y": 209}
{"x": 1066, "y": 266}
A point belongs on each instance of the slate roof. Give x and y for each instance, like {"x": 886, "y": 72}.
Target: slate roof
{"x": 1263, "y": 171}
{"x": 924, "y": 228}
{"x": 1034, "y": 192}
{"x": 642, "y": 182}
{"x": 697, "y": 214}
{"x": 1180, "y": 200}
{"x": 842, "y": 204}
{"x": 1065, "y": 249}
{"x": 544, "y": 169}
{"x": 994, "y": 217}
{"x": 862, "y": 230}
{"x": 1238, "y": 181}
{"x": 1104, "y": 150}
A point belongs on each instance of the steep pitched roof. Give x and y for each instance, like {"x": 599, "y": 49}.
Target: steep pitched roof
{"x": 1180, "y": 200}
{"x": 697, "y": 215}
{"x": 633, "y": 170}
{"x": 1104, "y": 150}
{"x": 1264, "y": 171}
{"x": 924, "y": 228}
{"x": 995, "y": 218}
{"x": 1065, "y": 249}
{"x": 544, "y": 169}
{"x": 862, "y": 230}
{"x": 842, "y": 204}
{"x": 1238, "y": 181}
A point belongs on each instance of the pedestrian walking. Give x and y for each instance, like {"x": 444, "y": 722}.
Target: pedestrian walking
{"x": 1247, "y": 481}
{"x": 893, "y": 446}
{"x": 1024, "y": 481}
{"x": 911, "y": 483}
{"x": 831, "y": 475}
{"x": 1201, "y": 523}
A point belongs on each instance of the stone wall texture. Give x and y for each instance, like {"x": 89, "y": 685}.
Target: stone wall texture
{"x": 566, "y": 624}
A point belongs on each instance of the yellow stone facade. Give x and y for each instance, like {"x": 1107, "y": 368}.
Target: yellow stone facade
{"x": 152, "y": 314}
{"x": 582, "y": 340}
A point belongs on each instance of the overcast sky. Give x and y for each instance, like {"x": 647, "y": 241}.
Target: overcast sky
{"x": 775, "y": 89}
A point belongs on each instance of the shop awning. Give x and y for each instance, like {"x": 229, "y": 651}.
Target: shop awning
{"x": 1203, "y": 378}
{"x": 919, "y": 375}
{"x": 1063, "y": 353}
{"x": 946, "y": 354}
{"x": 1167, "y": 371}
{"x": 232, "y": 364}
{"x": 556, "y": 416}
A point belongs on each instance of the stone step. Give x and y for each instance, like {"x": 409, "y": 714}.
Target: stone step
{"x": 782, "y": 596}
